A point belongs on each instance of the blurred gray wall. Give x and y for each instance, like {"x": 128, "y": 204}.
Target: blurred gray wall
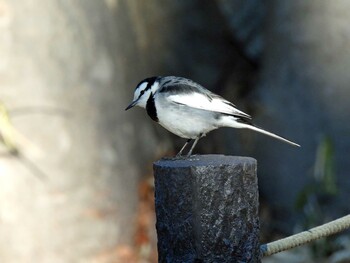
{"x": 304, "y": 91}
{"x": 67, "y": 72}
{"x": 301, "y": 92}
{"x": 72, "y": 68}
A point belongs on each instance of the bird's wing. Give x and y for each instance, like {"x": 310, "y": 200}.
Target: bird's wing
{"x": 199, "y": 98}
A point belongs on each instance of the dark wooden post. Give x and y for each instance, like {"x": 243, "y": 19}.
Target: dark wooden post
{"x": 207, "y": 209}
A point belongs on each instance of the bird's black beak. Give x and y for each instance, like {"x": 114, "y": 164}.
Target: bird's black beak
{"x": 131, "y": 105}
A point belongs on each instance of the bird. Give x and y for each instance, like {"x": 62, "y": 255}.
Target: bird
{"x": 189, "y": 110}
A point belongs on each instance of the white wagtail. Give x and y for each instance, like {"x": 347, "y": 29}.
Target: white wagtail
{"x": 188, "y": 110}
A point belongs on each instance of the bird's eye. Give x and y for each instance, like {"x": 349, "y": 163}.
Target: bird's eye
{"x": 143, "y": 91}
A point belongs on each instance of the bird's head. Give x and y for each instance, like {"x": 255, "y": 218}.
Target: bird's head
{"x": 143, "y": 91}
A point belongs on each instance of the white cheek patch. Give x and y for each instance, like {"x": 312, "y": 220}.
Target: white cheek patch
{"x": 143, "y": 86}
{"x": 139, "y": 89}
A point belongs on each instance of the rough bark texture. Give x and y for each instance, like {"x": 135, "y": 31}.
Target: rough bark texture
{"x": 207, "y": 209}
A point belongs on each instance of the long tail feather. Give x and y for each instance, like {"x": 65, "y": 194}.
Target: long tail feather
{"x": 254, "y": 128}
{"x": 244, "y": 123}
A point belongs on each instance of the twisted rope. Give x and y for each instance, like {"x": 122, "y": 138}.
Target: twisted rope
{"x": 302, "y": 238}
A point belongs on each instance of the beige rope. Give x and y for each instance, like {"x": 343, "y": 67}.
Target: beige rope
{"x": 302, "y": 238}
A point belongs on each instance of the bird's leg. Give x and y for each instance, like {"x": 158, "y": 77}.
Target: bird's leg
{"x": 183, "y": 147}
{"x": 193, "y": 145}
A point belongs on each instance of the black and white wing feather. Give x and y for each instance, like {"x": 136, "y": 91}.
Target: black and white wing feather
{"x": 188, "y": 93}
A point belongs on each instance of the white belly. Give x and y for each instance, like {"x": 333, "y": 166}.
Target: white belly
{"x": 185, "y": 122}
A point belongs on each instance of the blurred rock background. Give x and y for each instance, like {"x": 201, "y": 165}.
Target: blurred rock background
{"x": 76, "y": 170}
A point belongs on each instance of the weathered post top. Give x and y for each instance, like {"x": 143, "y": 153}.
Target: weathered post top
{"x": 207, "y": 209}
